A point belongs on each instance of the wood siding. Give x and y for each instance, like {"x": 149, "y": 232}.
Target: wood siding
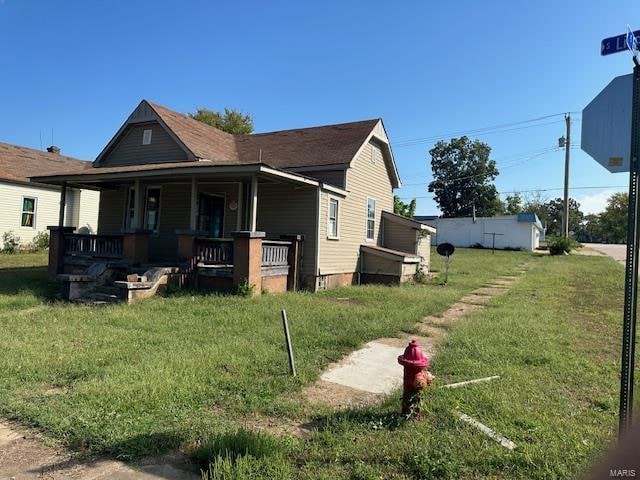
{"x": 111, "y": 214}
{"x": 284, "y": 209}
{"x": 47, "y": 209}
{"x": 365, "y": 179}
{"x": 400, "y": 237}
{"x": 129, "y": 150}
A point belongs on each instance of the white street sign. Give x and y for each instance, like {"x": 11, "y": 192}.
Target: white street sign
{"x": 606, "y": 125}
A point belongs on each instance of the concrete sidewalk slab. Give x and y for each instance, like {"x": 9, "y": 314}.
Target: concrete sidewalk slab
{"x": 374, "y": 368}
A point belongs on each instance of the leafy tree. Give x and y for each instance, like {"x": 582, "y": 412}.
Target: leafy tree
{"x": 402, "y": 208}
{"x": 513, "y": 204}
{"x": 591, "y": 229}
{"x": 537, "y": 203}
{"x": 463, "y": 176}
{"x": 613, "y": 220}
{"x": 554, "y": 216}
{"x": 231, "y": 121}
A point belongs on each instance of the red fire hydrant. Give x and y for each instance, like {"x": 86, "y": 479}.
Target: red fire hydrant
{"x": 416, "y": 376}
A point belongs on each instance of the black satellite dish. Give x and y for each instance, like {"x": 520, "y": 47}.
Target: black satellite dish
{"x": 446, "y": 250}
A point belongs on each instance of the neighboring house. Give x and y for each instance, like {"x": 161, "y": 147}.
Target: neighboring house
{"x": 27, "y": 208}
{"x": 178, "y": 189}
{"x": 511, "y": 231}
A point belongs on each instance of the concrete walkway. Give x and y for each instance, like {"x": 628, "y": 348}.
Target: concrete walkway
{"x": 24, "y": 456}
{"x": 373, "y": 371}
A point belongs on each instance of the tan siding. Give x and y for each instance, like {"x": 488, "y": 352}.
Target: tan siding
{"x": 284, "y": 209}
{"x": 88, "y": 214}
{"x": 111, "y": 213}
{"x": 424, "y": 250}
{"x": 47, "y": 209}
{"x": 129, "y": 149}
{"x": 364, "y": 179}
{"x": 400, "y": 237}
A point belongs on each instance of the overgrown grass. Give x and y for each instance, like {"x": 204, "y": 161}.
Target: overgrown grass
{"x": 181, "y": 372}
{"x": 139, "y": 379}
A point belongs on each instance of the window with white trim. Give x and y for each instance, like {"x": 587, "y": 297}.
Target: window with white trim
{"x": 146, "y": 136}
{"x": 371, "y": 218}
{"x": 333, "y": 214}
{"x": 152, "y": 209}
{"x": 28, "y": 217}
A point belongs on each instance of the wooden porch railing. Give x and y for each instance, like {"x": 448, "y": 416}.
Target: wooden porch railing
{"x": 214, "y": 251}
{"x": 275, "y": 253}
{"x": 106, "y": 246}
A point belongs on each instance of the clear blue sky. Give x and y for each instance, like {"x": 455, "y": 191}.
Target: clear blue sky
{"x": 426, "y": 68}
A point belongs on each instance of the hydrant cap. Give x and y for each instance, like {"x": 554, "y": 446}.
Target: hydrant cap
{"x": 413, "y": 356}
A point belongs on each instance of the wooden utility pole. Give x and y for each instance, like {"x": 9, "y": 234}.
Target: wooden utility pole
{"x": 567, "y": 154}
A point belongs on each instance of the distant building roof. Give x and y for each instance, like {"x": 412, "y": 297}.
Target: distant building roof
{"x": 424, "y": 218}
{"x": 18, "y": 163}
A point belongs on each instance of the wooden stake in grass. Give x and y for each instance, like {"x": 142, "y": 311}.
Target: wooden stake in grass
{"x": 287, "y": 337}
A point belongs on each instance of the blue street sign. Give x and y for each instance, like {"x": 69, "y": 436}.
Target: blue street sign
{"x": 616, "y": 44}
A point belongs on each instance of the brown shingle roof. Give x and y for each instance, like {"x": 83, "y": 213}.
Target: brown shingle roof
{"x": 18, "y": 163}
{"x": 203, "y": 140}
{"x": 305, "y": 147}
{"x": 301, "y": 147}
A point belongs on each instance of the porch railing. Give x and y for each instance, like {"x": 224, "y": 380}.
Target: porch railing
{"x": 214, "y": 251}
{"x": 107, "y": 246}
{"x": 275, "y": 253}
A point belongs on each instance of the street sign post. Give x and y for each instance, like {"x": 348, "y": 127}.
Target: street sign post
{"x": 615, "y": 45}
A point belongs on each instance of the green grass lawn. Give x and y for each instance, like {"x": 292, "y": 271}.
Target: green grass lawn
{"x": 179, "y": 372}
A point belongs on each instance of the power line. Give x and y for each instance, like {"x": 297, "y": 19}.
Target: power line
{"x": 514, "y": 162}
{"x": 483, "y": 130}
{"x": 541, "y": 190}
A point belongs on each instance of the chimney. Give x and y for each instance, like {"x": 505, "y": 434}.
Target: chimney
{"x": 53, "y": 149}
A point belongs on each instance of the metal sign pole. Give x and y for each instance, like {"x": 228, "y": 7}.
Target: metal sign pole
{"x": 631, "y": 274}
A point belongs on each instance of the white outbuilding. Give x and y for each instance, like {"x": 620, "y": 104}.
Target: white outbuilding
{"x": 523, "y": 231}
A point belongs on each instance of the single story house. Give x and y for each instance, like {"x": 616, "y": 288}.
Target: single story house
{"x": 27, "y": 208}
{"x": 522, "y": 231}
{"x": 304, "y": 208}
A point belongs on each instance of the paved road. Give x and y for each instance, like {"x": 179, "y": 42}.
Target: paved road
{"x": 617, "y": 252}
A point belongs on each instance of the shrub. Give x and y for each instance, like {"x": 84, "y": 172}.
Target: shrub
{"x": 420, "y": 276}
{"x": 245, "y": 289}
{"x": 561, "y": 245}
{"x": 10, "y": 242}
{"x": 41, "y": 241}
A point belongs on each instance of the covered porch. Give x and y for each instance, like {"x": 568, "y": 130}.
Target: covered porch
{"x": 218, "y": 226}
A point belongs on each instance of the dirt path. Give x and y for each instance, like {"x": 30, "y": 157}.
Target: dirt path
{"x": 24, "y": 456}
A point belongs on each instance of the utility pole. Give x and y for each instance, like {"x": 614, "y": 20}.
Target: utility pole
{"x": 567, "y": 154}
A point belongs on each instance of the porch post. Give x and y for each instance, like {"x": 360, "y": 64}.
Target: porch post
{"x": 137, "y": 204}
{"x": 247, "y": 259}
{"x": 63, "y": 204}
{"x": 254, "y": 203}
{"x": 240, "y": 206}
{"x": 194, "y": 205}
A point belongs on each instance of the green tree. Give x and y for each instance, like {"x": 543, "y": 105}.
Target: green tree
{"x": 536, "y": 203}
{"x": 591, "y": 229}
{"x": 513, "y": 204}
{"x": 554, "y": 216}
{"x": 613, "y": 219}
{"x": 402, "y": 208}
{"x": 463, "y": 176}
{"x": 231, "y": 121}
